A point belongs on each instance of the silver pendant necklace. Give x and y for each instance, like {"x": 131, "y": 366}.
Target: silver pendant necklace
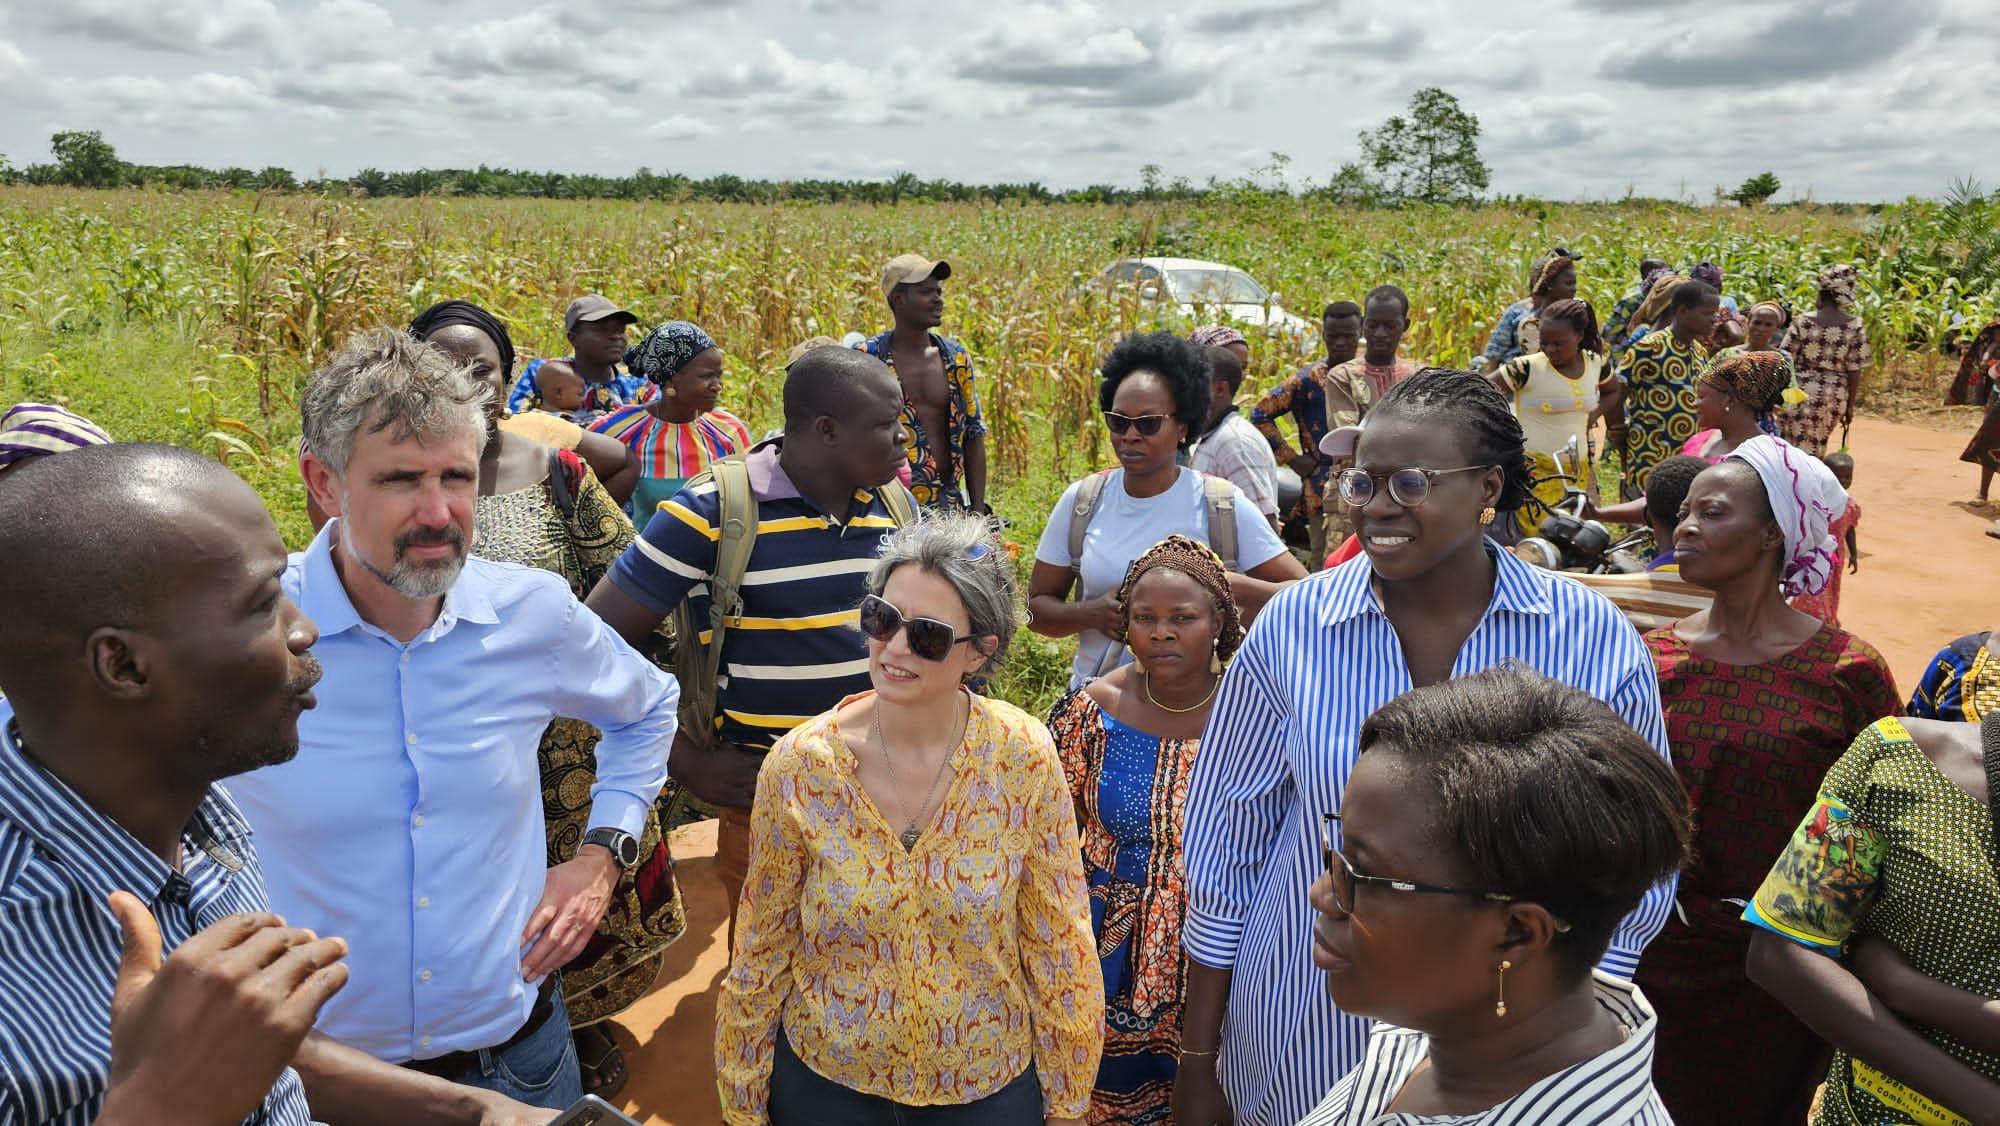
{"x": 911, "y": 834}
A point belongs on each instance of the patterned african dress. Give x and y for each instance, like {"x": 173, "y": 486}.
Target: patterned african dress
{"x": 1962, "y": 682}
{"x": 1130, "y": 788}
{"x": 1978, "y": 374}
{"x": 1750, "y": 743}
{"x": 1826, "y": 604}
{"x": 1892, "y": 849}
{"x": 1826, "y": 358}
{"x": 623, "y": 958}
{"x": 928, "y": 480}
{"x": 670, "y": 452}
{"x": 1659, "y": 375}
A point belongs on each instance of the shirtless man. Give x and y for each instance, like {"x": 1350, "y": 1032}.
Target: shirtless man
{"x": 947, "y": 444}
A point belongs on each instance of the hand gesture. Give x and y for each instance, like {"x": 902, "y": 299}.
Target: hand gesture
{"x": 202, "y": 1036}
{"x": 574, "y": 898}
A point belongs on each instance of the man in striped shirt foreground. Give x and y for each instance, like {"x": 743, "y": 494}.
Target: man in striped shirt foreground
{"x": 794, "y": 650}
{"x": 150, "y": 653}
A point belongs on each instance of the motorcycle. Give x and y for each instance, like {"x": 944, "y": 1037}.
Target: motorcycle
{"x": 1567, "y": 540}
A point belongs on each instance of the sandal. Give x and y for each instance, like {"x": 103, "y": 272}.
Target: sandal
{"x": 600, "y": 1062}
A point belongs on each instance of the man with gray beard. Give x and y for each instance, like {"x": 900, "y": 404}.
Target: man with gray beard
{"x": 411, "y": 821}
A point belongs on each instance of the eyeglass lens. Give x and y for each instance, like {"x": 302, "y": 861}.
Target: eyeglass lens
{"x": 1147, "y": 425}
{"x": 929, "y": 638}
{"x": 1407, "y": 487}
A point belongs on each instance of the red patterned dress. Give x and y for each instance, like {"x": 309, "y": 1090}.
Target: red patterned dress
{"x": 1751, "y": 744}
{"x": 1130, "y": 790}
{"x": 1826, "y": 604}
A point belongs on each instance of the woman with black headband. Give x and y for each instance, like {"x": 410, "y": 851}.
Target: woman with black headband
{"x": 679, "y": 432}
{"x": 545, "y": 508}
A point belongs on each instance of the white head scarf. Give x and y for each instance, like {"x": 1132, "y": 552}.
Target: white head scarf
{"x": 1805, "y": 498}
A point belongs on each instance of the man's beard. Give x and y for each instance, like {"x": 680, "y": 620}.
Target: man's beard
{"x": 421, "y": 580}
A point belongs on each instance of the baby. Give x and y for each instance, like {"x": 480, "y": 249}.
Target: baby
{"x": 1842, "y": 465}
{"x": 558, "y": 388}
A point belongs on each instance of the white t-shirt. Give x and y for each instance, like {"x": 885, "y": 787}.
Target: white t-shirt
{"x": 1121, "y": 530}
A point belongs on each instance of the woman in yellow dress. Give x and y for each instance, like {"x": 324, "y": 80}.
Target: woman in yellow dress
{"x": 1555, "y": 393}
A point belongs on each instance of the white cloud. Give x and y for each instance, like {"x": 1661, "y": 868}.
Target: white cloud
{"x": 181, "y": 26}
{"x": 680, "y": 127}
{"x": 347, "y": 30}
{"x": 13, "y": 63}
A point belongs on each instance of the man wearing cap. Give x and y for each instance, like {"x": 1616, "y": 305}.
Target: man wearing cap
{"x": 947, "y": 437}
{"x": 32, "y": 430}
{"x": 596, "y": 331}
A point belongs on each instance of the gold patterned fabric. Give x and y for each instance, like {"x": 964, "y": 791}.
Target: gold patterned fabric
{"x": 646, "y": 915}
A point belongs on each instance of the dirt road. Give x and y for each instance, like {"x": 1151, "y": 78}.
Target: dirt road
{"x": 1925, "y": 560}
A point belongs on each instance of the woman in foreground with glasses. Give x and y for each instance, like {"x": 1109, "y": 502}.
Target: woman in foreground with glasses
{"x": 1128, "y": 741}
{"x": 1440, "y": 458}
{"x": 1494, "y": 832}
{"x": 1155, "y": 397}
{"x": 914, "y": 930}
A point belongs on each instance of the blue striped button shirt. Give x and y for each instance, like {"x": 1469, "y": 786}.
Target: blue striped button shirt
{"x": 1613, "y": 1088}
{"x": 1276, "y": 755}
{"x": 59, "y": 943}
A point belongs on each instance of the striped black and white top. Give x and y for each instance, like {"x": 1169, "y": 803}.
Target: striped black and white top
{"x": 1614, "y": 1088}
{"x": 59, "y": 944}
{"x": 1280, "y": 742}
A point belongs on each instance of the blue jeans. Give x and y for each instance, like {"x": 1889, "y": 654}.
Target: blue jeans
{"x": 540, "y": 1071}
{"x": 802, "y": 1096}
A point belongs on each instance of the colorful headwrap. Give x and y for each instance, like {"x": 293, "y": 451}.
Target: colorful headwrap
{"x": 1547, "y": 266}
{"x": 445, "y": 314}
{"x": 1216, "y": 336}
{"x": 32, "y": 430}
{"x": 1842, "y": 282}
{"x": 1783, "y": 317}
{"x": 1659, "y": 297}
{"x": 1197, "y": 561}
{"x": 1805, "y": 499}
{"x": 1707, "y": 272}
{"x": 666, "y": 350}
{"x": 1758, "y": 380}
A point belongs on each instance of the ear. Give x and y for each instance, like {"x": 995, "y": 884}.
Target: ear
{"x": 1491, "y": 486}
{"x": 827, "y": 429}
{"x": 322, "y": 484}
{"x": 1527, "y": 932}
{"x": 119, "y": 664}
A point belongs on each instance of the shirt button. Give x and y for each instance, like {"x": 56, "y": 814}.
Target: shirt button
{"x": 425, "y": 1042}
{"x": 423, "y": 901}
{"x": 418, "y": 821}
{"x": 406, "y": 658}
{"x": 412, "y": 739}
{"x": 426, "y": 975}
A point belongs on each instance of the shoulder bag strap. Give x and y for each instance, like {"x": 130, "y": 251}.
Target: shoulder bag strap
{"x": 1221, "y": 497}
{"x": 1088, "y": 492}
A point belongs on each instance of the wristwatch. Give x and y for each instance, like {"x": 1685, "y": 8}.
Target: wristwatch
{"x": 623, "y": 846}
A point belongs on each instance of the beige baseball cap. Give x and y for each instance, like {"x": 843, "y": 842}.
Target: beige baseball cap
{"x": 593, "y": 307}
{"x": 908, "y": 269}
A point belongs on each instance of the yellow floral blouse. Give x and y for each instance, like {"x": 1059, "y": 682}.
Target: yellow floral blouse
{"x": 931, "y": 977}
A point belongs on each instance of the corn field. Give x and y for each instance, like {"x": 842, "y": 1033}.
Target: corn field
{"x": 194, "y": 317}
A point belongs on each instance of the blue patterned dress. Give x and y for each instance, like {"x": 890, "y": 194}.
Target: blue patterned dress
{"x": 1130, "y": 789}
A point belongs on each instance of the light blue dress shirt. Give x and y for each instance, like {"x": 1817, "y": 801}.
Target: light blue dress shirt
{"x": 410, "y": 823}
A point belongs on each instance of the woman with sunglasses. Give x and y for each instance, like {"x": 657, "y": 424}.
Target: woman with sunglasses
{"x": 1761, "y": 700}
{"x": 1440, "y": 458}
{"x": 1128, "y": 740}
{"x": 914, "y": 931}
{"x": 1494, "y": 832}
{"x": 1155, "y": 398}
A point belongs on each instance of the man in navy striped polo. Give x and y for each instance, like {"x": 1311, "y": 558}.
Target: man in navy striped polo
{"x": 796, "y": 651}
{"x": 151, "y": 653}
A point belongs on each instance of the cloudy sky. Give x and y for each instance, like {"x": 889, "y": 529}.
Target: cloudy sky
{"x": 1845, "y": 99}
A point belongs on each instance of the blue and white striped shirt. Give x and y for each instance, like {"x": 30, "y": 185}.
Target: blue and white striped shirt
{"x": 1283, "y": 736}
{"x": 59, "y": 943}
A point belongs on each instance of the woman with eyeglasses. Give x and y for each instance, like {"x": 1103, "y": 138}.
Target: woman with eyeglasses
{"x": 1155, "y": 397}
{"x": 1761, "y": 700}
{"x": 914, "y": 931}
{"x": 1441, "y": 457}
{"x": 1494, "y": 832}
{"x": 1128, "y": 741}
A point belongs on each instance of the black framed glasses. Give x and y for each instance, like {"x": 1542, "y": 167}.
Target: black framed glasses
{"x": 1345, "y": 879}
{"x": 1409, "y": 486}
{"x": 1146, "y": 424}
{"x": 929, "y": 638}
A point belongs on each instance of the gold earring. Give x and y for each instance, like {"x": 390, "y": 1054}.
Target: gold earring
{"x": 671, "y": 392}
{"x": 1486, "y": 515}
{"x": 1214, "y": 660}
{"x": 1500, "y": 1006}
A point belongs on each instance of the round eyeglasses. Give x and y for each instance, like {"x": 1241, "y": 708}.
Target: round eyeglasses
{"x": 1345, "y": 879}
{"x": 1409, "y": 486}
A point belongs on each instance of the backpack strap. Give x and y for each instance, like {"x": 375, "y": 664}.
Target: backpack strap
{"x": 1089, "y": 491}
{"x": 901, "y": 503}
{"x": 699, "y": 667}
{"x": 1221, "y": 498}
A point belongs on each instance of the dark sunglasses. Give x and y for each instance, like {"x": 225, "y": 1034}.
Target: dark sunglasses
{"x": 1408, "y": 487}
{"x": 1146, "y": 424}
{"x": 929, "y": 638}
